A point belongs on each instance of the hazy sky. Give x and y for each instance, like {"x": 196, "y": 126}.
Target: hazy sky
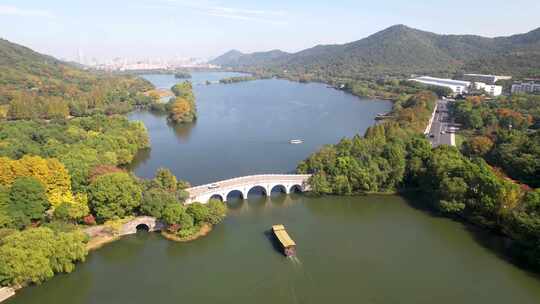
{"x": 207, "y": 28}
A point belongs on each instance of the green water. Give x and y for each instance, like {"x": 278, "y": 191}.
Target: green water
{"x": 374, "y": 249}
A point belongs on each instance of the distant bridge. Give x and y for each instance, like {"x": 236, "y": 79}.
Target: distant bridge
{"x": 221, "y": 190}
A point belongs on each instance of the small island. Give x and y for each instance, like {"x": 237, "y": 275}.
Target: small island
{"x": 237, "y": 79}
{"x": 182, "y": 108}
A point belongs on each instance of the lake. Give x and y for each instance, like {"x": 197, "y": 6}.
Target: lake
{"x": 365, "y": 249}
{"x": 245, "y": 128}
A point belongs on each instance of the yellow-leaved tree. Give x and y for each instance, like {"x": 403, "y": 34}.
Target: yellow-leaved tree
{"x": 50, "y": 172}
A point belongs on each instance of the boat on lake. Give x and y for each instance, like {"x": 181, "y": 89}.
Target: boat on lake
{"x": 296, "y": 141}
{"x": 287, "y": 244}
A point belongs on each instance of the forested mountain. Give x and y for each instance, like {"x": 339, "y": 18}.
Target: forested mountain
{"x": 34, "y": 85}
{"x": 400, "y": 51}
{"x": 237, "y": 58}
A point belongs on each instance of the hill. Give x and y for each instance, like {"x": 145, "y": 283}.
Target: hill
{"x": 237, "y": 58}
{"x": 400, "y": 51}
{"x": 31, "y": 82}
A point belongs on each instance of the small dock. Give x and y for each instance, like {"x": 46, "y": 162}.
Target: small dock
{"x": 288, "y": 245}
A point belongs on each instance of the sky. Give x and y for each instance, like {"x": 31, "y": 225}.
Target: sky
{"x": 105, "y": 29}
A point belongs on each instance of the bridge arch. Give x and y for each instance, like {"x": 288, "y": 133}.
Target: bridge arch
{"x": 235, "y": 193}
{"x": 218, "y": 197}
{"x": 279, "y": 189}
{"x": 296, "y": 189}
{"x": 142, "y": 222}
{"x": 142, "y": 227}
{"x": 256, "y": 188}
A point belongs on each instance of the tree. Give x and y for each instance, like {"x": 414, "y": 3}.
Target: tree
{"x": 166, "y": 180}
{"x": 50, "y": 172}
{"x": 28, "y": 201}
{"x": 114, "y": 196}
{"x": 478, "y": 146}
{"x": 199, "y": 212}
{"x": 73, "y": 211}
{"x": 319, "y": 184}
{"x": 35, "y": 254}
{"x": 19, "y": 266}
{"x": 155, "y": 200}
{"x": 218, "y": 210}
{"x": 176, "y": 214}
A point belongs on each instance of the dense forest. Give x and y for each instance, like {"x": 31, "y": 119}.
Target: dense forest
{"x": 33, "y": 86}
{"x": 504, "y": 132}
{"x": 63, "y": 146}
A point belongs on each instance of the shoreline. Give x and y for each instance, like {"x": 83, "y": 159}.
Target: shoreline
{"x": 203, "y": 231}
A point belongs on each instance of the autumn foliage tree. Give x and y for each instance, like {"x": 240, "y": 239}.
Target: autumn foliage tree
{"x": 49, "y": 172}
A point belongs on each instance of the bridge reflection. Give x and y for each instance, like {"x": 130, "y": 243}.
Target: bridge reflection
{"x": 238, "y": 205}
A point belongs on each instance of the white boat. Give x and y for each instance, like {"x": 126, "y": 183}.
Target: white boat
{"x": 296, "y": 141}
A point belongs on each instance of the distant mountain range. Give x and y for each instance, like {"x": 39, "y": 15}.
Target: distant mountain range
{"x": 401, "y": 50}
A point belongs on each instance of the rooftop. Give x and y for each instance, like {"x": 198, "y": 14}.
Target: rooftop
{"x": 443, "y": 81}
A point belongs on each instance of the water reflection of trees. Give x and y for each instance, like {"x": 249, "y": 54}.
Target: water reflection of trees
{"x": 142, "y": 156}
{"x": 181, "y": 131}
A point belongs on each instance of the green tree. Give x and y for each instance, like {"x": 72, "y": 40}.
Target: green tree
{"x": 71, "y": 211}
{"x": 176, "y": 214}
{"x": 155, "y": 200}
{"x": 34, "y": 255}
{"x": 114, "y": 196}
{"x": 218, "y": 210}
{"x": 199, "y": 212}
{"x": 28, "y": 201}
{"x": 319, "y": 184}
{"x": 166, "y": 180}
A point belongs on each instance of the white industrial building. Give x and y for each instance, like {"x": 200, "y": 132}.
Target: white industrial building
{"x": 526, "y": 87}
{"x": 492, "y": 79}
{"x": 459, "y": 87}
{"x": 493, "y": 90}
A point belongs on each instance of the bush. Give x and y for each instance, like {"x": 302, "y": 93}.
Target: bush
{"x": 176, "y": 214}
{"x": 199, "y": 212}
{"x": 218, "y": 210}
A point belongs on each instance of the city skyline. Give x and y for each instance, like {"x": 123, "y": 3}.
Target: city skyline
{"x": 171, "y": 29}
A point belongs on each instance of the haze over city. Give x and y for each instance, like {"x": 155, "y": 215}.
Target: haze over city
{"x": 205, "y": 29}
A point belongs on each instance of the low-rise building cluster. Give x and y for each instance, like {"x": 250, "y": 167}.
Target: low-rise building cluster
{"x": 529, "y": 87}
{"x": 460, "y": 87}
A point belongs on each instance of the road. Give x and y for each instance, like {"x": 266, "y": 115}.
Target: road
{"x": 440, "y": 125}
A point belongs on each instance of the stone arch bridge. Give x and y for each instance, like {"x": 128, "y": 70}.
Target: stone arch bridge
{"x": 286, "y": 183}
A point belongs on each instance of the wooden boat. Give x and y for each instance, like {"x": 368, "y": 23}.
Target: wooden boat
{"x": 288, "y": 245}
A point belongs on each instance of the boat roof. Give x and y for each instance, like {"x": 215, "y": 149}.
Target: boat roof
{"x": 283, "y": 236}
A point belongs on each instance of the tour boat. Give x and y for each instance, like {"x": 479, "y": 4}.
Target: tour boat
{"x": 288, "y": 245}
{"x": 296, "y": 141}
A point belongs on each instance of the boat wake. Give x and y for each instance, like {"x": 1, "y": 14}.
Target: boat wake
{"x": 295, "y": 260}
